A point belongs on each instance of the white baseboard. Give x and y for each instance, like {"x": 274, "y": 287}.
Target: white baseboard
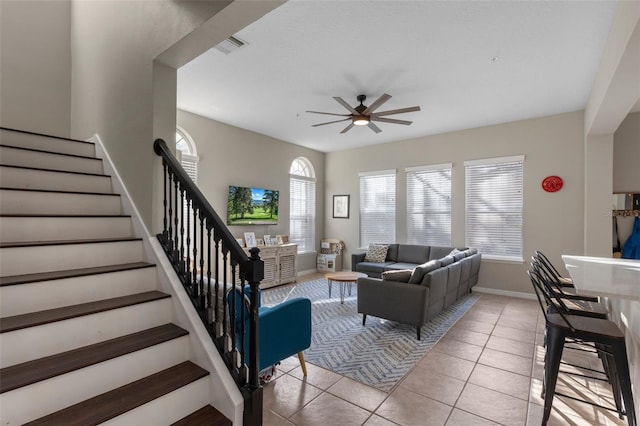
{"x": 517, "y": 294}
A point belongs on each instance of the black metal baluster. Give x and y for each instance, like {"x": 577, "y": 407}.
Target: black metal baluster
{"x": 165, "y": 175}
{"x": 202, "y": 292}
{"x": 170, "y": 230}
{"x": 217, "y": 320}
{"x": 195, "y": 245}
{"x": 211, "y": 328}
{"x": 181, "y": 256}
{"x": 195, "y": 289}
{"x": 176, "y": 255}
{"x": 187, "y": 272}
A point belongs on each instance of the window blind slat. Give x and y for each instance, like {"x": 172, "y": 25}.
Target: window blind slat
{"x": 494, "y": 202}
{"x": 377, "y": 208}
{"x": 429, "y": 206}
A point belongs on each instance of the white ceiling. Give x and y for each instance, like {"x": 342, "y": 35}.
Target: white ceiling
{"x": 466, "y": 64}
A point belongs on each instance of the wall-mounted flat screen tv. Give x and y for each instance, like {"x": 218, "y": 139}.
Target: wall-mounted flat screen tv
{"x": 252, "y": 206}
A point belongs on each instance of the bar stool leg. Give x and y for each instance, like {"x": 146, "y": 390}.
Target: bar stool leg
{"x": 624, "y": 380}
{"x": 555, "y": 345}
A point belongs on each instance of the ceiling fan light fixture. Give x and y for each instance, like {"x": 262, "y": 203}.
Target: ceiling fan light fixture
{"x": 360, "y": 120}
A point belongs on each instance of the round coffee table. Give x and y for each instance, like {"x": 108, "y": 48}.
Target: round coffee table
{"x": 345, "y": 278}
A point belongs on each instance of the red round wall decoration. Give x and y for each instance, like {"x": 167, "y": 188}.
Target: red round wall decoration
{"x": 552, "y": 183}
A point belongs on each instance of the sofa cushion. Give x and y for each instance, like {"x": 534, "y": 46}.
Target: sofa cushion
{"x": 401, "y": 275}
{"x": 470, "y": 252}
{"x": 392, "y": 253}
{"x": 418, "y": 273}
{"x": 413, "y": 254}
{"x": 368, "y": 267}
{"x": 376, "y": 253}
{"x": 437, "y": 252}
{"x": 459, "y": 256}
{"x": 446, "y": 261}
{"x": 454, "y": 252}
{"x": 402, "y": 265}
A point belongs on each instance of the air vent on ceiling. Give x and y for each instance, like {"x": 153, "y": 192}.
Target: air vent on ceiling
{"x": 230, "y": 45}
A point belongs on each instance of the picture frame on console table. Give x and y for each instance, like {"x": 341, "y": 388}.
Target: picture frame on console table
{"x": 250, "y": 239}
{"x": 341, "y": 206}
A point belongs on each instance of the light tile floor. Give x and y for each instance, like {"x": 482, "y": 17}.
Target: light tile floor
{"x": 486, "y": 370}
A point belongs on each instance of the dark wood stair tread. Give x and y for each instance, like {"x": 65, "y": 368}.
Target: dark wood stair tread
{"x": 206, "y": 416}
{"x": 71, "y": 273}
{"x": 24, "y": 374}
{"x": 67, "y": 242}
{"x": 118, "y": 401}
{"x": 32, "y": 319}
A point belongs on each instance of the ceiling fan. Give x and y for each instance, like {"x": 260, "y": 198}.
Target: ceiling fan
{"x": 362, "y": 115}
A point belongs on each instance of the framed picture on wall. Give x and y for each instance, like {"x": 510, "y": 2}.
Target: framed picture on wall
{"x": 250, "y": 239}
{"x": 341, "y": 206}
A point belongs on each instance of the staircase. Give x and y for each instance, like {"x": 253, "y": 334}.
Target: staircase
{"x": 85, "y": 335}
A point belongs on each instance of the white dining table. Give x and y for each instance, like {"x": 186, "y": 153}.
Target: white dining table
{"x": 602, "y": 276}
{"x": 618, "y": 281}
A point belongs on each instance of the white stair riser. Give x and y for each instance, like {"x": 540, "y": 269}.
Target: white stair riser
{"x": 168, "y": 408}
{"x": 18, "y": 405}
{"x": 44, "y": 340}
{"x": 36, "y": 259}
{"x": 44, "y": 160}
{"x": 46, "y": 143}
{"x": 29, "y": 202}
{"x": 13, "y": 177}
{"x": 21, "y": 229}
{"x": 42, "y": 295}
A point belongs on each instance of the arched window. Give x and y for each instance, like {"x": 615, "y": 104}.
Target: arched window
{"x": 189, "y": 154}
{"x": 302, "y": 213}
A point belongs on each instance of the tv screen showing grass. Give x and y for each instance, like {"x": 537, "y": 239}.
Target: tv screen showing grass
{"x": 252, "y": 206}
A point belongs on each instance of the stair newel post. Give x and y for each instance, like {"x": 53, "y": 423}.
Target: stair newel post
{"x": 254, "y": 273}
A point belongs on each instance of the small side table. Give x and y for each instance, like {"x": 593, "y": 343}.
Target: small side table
{"x": 344, "y": 279}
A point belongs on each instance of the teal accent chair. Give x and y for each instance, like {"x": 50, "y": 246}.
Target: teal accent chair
{"x": 284, "y": 329}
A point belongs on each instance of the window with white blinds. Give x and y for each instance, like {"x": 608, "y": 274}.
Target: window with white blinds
{"x": 302, "y": 202}
{"x": 377, "y": 207}
{"x": 429, "y": 205}
{"x": 494, "y": 202}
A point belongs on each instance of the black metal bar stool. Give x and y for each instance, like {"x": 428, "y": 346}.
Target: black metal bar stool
{"x": 563, "y": 281}
{"x": 602, "y": 333}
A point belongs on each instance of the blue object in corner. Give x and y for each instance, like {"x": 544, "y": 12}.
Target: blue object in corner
{"x": 631, "y": 249}
{"x": 284, "y": 330}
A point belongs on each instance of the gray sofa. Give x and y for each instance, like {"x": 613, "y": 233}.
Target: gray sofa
{"x": 437, "y": 279}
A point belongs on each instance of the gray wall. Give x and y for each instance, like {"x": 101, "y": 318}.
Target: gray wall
{"x": 35, "y": 59}
{"x": 552, "y": 222}
{"x": 232, "y": 156}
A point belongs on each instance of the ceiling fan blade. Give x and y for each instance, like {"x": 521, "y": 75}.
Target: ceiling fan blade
{"x": 390, "y": 120}
{"x": 398, "y": 111}
{"x": 330, "y": 122}
{"x": 346, "y": 105}
{"x": 382, "y": 99}
{"x": 346, "y": 129}
{"x": 329, "y": 113}
{"x": 374, "y": 127}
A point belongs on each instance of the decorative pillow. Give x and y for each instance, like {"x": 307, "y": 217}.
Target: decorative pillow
{"x": 376, "y": 253}
{"x": 454, "y": 252}
{"x": 418, "y": 273}
{"x": 401, "y": 275}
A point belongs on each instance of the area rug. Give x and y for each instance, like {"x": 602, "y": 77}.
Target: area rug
{"x": 378, "y": 354}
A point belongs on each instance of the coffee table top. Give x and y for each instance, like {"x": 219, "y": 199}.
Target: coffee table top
{"x": 345, "y": 276}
